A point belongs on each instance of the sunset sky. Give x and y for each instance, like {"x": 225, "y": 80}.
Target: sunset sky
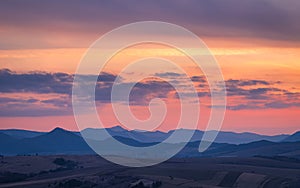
{"x": 256, "y": 43}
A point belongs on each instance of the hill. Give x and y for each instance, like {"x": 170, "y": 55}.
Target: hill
{"x": 293, "y": 138}
{"x": 60, "y": 141}
{"x": 158, "y": 136}
{"x": 20, "y": 134}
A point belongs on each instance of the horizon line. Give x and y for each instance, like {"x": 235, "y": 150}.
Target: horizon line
{"x": 78, "y": 131}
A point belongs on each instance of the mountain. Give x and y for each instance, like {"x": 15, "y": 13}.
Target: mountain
{"x": 266, "y": 148}
{"x": 60, "y": 141}
{"x": 154, "y": 136}
{"x": 8, "y": 144}
{"x": 6, "y": 140}
{"x": 242, "y": 138}
{"x": 130, "y": 142}
{"x": 141, "y": 136}
{"x": 20, "y": 134}
{"x": 100, "y": 134}
{"x": 259, "y": 148}
{"x": 293, "y": 138}
{"x": 158, "y": 136}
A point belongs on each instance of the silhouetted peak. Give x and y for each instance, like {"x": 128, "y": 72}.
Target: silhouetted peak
{"x": 57, "y": 130}
{"x": 293, "y": 138}
{"x": 296, "y": 133}
{"x": 117, "y": 128}
{"x": 259, "y": 143}
{"x": 3, "y": 135}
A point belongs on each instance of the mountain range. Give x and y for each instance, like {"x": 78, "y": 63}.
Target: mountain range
{"x": 60, "y": 141}
{"x": 158, "y": 136}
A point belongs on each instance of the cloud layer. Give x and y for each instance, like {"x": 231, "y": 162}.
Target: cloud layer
{"x": 268, "y": 19}
{"x": 42, "y": 94}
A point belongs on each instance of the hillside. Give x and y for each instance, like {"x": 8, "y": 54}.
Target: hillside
{"x": 60, "y": 141}
{"x": 293, "y": 138}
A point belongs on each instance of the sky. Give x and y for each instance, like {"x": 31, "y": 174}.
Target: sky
{"x": 256, "y": 43}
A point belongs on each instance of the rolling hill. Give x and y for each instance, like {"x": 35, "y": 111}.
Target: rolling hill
{"x": 293, "y": 138}
{"x": 156, "y": 136}
{"x": 60, "y": 141}
{"x": 19, "y": 134}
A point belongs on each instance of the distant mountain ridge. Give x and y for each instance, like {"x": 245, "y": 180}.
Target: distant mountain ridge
{"x": 57, "y": 141}
{"x": 158, "y": 136}
{"x": 293, "y": 138}
{"x": 20, "y": 134}
{"x": 60, "y": 141}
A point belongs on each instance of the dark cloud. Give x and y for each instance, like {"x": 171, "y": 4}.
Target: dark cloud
{"x": 248, "y": 106}
{"x": 292, "y": 95}
{"x": 43, "y": 82}
{"x": 259, "y": 94}
{"x": 106, "y": 77}
{"x": 20, "y": 107}
{"x": 25, "y": 110}
{"x": 142, "y": 93}
{"x": 198, "y": 79}
{"x": 60, "y": 102}
{"x": 231, "y": 82}
{"x": 282, "y": 104}
{"x": 60, "y": 84}
{"x": 261, "y": 91}
{"x": 242, "y": 94}
{"x": 168, "y": 75}
{"x": 36, "y": 82}
{"x": 269, "y": 19}
{"x": 6, "y": 100}
{"x": 256, "y": 93}
{"x": 277, "y": 104}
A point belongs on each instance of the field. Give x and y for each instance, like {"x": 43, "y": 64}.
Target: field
{"x": 93, "y": 171}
